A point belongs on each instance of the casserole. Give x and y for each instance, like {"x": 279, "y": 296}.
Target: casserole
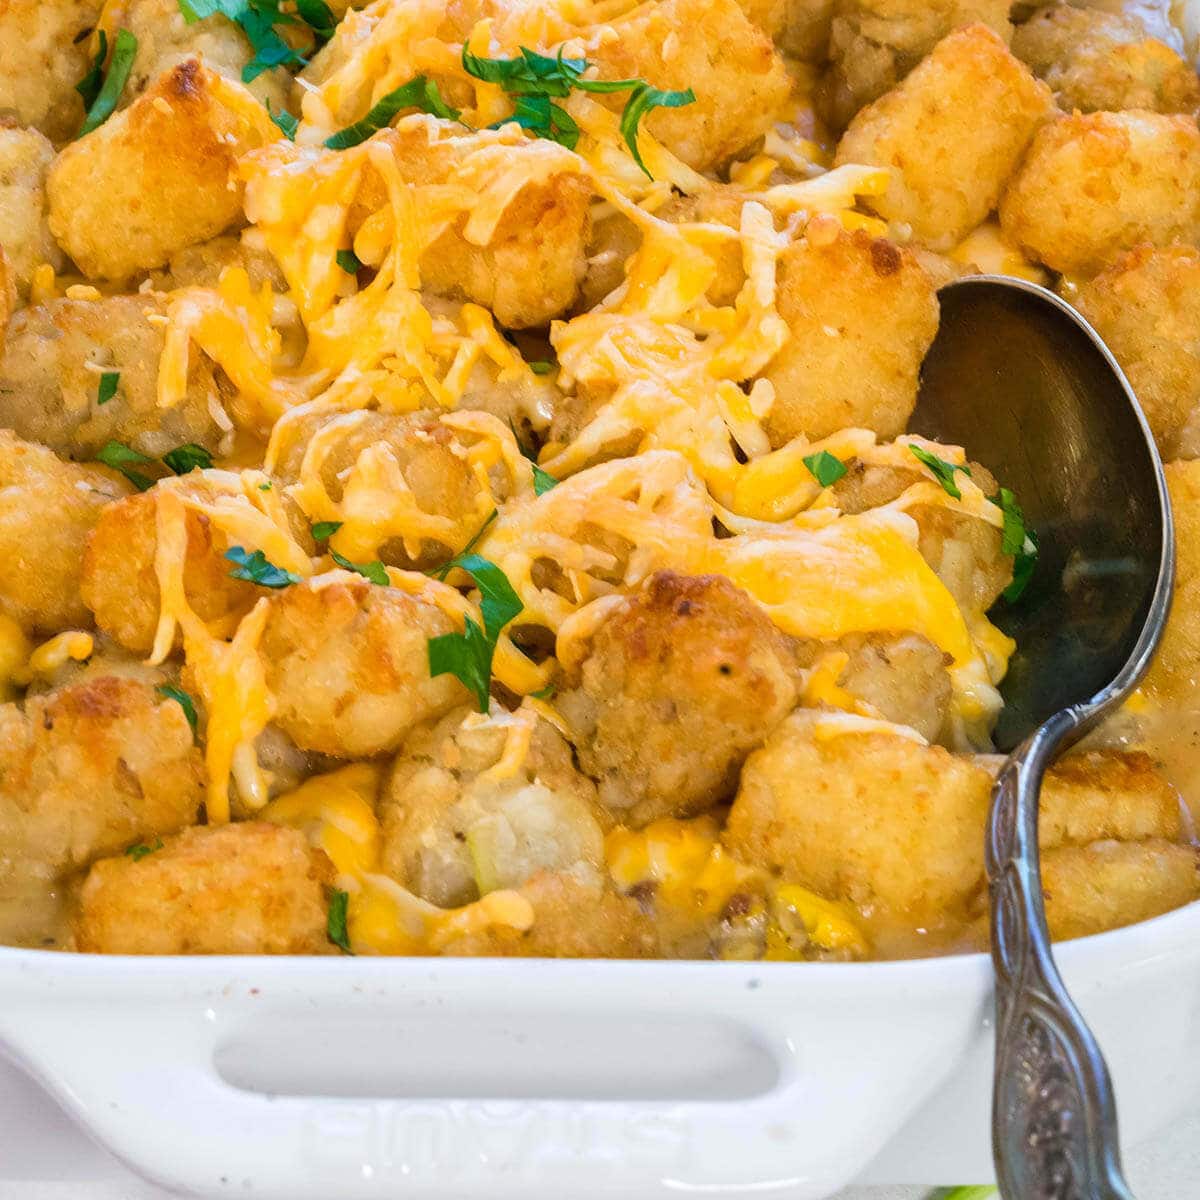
{"x": 295, "y": 1079}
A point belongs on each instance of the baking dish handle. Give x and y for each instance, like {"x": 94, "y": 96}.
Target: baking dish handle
{"x": 150, "y": 1082}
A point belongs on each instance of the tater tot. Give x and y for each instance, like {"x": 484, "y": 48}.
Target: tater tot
{"x": 157, "y": 176}
{"x": 166, "y": 37}
{"x": 429, "y": 459}
{"x": 25, "y": 156}
{"x": 951, "y": 134}
{"x": 1146, "y": 307}
{"x": 47, "y": 509}
{"x": 202, "y": 265}
{"x": 708, "y": 45}
{"x": 871, "y": 817}
{"x": 120, "y": 584}
{"x": 678, "y": 685}
{"x": 348, "y": 664}
{"x": 862, "y": 313}
{"x": 574, "y": 916}
{"x": 529, "y": 268}
{"x": 42, "y": 58}
{"x": 50, "y": 379}
{"x": 1097, "y": 61}
{"x": 91, "y": 768}
{"x": 453, "y": 830}
{"x": 249, "y": 888}
{"x": 1174, "y": 675}
{"x": 1095, "y": 185}
{"x": 874, "y": 44}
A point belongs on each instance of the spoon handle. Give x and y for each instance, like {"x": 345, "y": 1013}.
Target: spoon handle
{"x": 1054, "y": 1119}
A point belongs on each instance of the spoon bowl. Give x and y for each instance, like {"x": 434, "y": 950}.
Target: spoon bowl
{"x": 1021, "y": 381}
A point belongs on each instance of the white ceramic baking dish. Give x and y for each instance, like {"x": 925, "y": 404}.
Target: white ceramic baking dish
{"x": 335, "y": 1079}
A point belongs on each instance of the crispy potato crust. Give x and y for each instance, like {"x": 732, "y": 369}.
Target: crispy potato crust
{"x": 952, "y": 134}
{"x": 154, "y": 178}
{"x": 1096, "y": 185}
{"x": 679, "y": 684}
{"x": 90, "y": 769}
{"x": 862, "y": 313}
{"x": 25, "y": 156}
{"x": 249, "y": 888}
{"x": 48, "y": 508}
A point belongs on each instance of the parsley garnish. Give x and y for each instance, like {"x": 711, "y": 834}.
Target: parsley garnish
{"x": 824, "y": 467}
{"x": 255, "y": 568}
{"x": 1018, "y": 540}
{"x": 943, "y": 471}
{"x": 108, "y": 386}
{"x": 468, "y": 655}
{"x": 546, "y": 693}
{"x": 265, "y": 487}
{"x": 316, "y": 15}
{"x": 543, "y": 481}
{"x": 335, "y": 923}
{"x": 188, "y": 457}
{"x": 89, "y": 86}
{"x": 348, "y": 261}
{"x": 285, "y": 121}
{"x": 534, "y": 80}
{"x": 122, "y": 458}
{"x": 182, "y": 699}
{"x": 375, "y": 571}
{"x": 420, "y": 92}
{"x": 257, "y": 20}
{"x": 139, "y": 850}
{"x": 541, "y": 366}
{"x": 322, "y": 531}
{"x": 448, "y": 566}
{"x": 105, "y": 102}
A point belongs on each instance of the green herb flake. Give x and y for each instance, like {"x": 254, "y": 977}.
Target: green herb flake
{"x": 105, "y": 102}
{"x": 108, "y": 386}
{"x": 543, "y": 481}
{"x": 257, "y": 19}
{"x": 643, "y": 99}
{"x": 188, "y": 457}
{"x": 182, "y": 699}
{"x": 255, "y": 568}
{"x": 348, "y": 261}
{"x": 89, "y": 86}
{"x": 265, "y": 487}
{"x": 420, "y": 92}
{"x": 285, "y": 121}
{"x": 322, "y": 531}
{"x": 317, "y": 16}
{"x": 139, "y": 850}
{"x": 468, "y": 655}
{"x": 541, "y": 366}
{"x": 122, "y": 458}
{"x": 1019, "y": 540}
{"x": 825, "y": 468}
{"x": 446, "y": 567}
{"x": 546, "y": 693}
{"x": 335, "y": 923}
{"x": 375, "y": 571}
{"x": 943, "y": 471}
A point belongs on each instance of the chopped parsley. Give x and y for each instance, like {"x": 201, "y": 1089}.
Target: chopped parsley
{"x": 316, "y": 15}
{"x": 546, "y": 693}
{"x": 265, "y": 487}
{"x": 123, "y": 458}
{"x": 104, "y": 103}
{"x": 448, "y": 566}
{"x": 943, "y": 471}
{"x": 108, "y": 386}
{"x": 541, "y": 366}
{"x": 188, "y": 457}
{"x": 1019, "y": 540}
{"x": 348, "y": 261}
{"x": 543, "y": 481}
{"x": 89, "y": 86}
{"x": 420, "y": 92}
{"x": 258, "y": 19}
{"x": 256, "y": 568}
{"x": 322, "y": 531}
{"x": 824, "y": 467}
{"x": 468, "y": 655}
{"x": 139, "y": 850}
{"x": 375, "y": 571}
{"x": 536, "y": 80}
{"x": 182, "y": 699}
{"x": 335, "y": 923}
{"x": 285, "y": 121}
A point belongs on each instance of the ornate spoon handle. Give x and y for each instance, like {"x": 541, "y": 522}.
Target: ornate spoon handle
{"x": 1054, "y": 1120}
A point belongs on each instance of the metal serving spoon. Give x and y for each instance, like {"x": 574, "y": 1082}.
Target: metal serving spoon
{"x": 1020, "y": 380}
